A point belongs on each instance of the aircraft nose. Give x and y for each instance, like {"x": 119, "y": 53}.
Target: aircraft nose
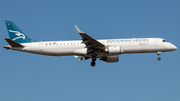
{"x": 173, "y": 47}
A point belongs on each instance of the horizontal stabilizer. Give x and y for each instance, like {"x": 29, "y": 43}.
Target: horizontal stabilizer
{"x": 13, "y": 43}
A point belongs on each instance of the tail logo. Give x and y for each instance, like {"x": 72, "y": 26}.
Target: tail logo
{"x": 20, "y": 35}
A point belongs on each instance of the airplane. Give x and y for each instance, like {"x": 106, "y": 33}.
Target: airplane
{"x": 107, "y": 50}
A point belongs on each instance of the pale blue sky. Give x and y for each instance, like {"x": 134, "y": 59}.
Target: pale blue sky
{"x": 136, "y": 77}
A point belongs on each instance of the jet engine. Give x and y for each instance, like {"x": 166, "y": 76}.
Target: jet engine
{"x": 113, "y": 50}
{"x": 110, "y": 59}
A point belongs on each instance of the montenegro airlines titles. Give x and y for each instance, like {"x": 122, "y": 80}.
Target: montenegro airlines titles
{"x": 106, "y": 50}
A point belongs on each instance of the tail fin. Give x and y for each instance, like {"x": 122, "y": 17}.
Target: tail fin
{"x": 16, "y": 34}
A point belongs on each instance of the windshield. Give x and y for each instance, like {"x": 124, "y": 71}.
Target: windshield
{"x": 165, "y": 41}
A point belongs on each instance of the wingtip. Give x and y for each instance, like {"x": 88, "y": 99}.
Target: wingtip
{"x": 79, "y": 31}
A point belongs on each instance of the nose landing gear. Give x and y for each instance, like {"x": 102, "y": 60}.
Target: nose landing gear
{"x": 158, "y": 53}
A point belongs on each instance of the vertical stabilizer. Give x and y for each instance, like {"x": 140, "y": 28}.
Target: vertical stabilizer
{"x": 16, "y": 34}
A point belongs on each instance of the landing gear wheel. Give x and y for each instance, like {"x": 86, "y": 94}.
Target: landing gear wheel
{"x": 93, "y": 63}
{"x": 94, "y": 55}
{"x": 93, "y": 58}
{"x": 159, "y": 58}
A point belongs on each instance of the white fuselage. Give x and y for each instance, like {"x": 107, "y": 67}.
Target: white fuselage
{"x": 64, "y": 48}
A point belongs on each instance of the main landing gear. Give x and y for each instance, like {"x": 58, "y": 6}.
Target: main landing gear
{"x": 158, "y": 53}
{"x": 93, "y": 63}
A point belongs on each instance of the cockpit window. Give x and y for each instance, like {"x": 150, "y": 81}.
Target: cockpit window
{"x": 165, "y": 41}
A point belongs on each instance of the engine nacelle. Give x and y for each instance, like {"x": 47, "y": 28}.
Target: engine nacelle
{"x": 113, "y": 50}
{"x": 110, "y": 59}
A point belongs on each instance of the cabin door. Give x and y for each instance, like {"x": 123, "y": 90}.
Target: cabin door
{"x": 156, "y": 44}
{"x": 41, "y": 46}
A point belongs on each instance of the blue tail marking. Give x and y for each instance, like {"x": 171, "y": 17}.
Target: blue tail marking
{"x": 16, "y": 34}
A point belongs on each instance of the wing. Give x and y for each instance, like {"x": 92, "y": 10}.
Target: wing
{"x": 92, "y": 45}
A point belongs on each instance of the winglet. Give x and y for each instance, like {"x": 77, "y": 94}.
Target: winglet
{"x": 13, "y": 43}
{"x": 79, "y": 31}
